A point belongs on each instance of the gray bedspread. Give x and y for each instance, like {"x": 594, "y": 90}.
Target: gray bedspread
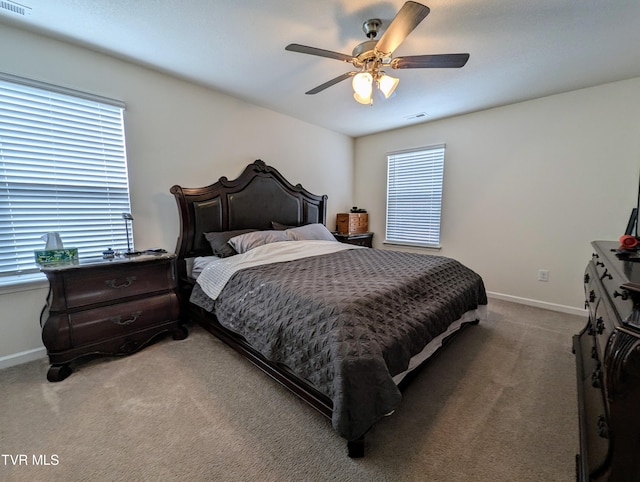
{"x": 348, "y": 322}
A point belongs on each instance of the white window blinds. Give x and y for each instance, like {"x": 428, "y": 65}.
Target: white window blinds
{"x": 414, "y": 196}
{"x": 62, "y": 168}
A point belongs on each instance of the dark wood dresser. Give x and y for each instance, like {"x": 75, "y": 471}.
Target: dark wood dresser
{"x": 608, "y": 368}
{"x": 110, "y": 307}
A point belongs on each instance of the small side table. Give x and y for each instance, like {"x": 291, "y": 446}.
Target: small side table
{"x": 361, "y": 239}
{"x": 109, "y": 307}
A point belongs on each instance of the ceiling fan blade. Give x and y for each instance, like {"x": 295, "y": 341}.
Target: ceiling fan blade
{"x": 303, "y": 49}
{"x": 331, "y": 82}
{"x": 441, "y": 61}
{"x": 407, "y": 18}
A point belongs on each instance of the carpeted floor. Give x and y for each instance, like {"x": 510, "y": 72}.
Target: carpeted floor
{"x": 498, "y": 404}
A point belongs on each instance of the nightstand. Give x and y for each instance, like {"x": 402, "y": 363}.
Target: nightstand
{"x": 108, "y": 307}
{"x": 361, "y": 239}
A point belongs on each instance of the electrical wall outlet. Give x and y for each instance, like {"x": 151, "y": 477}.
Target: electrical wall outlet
{"x": 543, "y": 275}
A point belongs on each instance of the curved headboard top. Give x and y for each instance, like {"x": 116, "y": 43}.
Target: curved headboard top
{"x": 257, "y": 197}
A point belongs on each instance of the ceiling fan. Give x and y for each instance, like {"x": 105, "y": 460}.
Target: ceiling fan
{"x": 372, "y": 56}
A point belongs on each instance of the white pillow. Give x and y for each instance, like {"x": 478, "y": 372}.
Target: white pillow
{"x": 201, "y": 263}
{"x": 248, "y": 241}
{"x": 310, "y": 231}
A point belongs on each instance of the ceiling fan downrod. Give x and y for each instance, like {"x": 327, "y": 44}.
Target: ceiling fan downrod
{"x": 371, "y": 27}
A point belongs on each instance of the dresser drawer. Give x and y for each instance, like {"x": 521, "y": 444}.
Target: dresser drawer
{"x": 612, "y": 280}
{"x": 594, "y": 425}
{"x": 603, "y": 325}
{"x": 107, "y": 284}
{"x": 592, "y": 291}
{"x": 90, "y": 326}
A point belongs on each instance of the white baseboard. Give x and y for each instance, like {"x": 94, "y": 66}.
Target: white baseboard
{"x": 539, "y": 304}
{"x": 36, "y": 353}
{"x": 22, "y": 357}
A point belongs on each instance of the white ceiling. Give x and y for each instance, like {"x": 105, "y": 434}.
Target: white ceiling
{"x": 520, "y": 49}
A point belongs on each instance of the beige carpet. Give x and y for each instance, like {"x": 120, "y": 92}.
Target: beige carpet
{"x": 499, "y": 404}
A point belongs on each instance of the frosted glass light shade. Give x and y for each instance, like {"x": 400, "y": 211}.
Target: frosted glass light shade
{"x": 362, "y": 100}
{"x": 363, "y": 85}
{"x": 387, "y": 85}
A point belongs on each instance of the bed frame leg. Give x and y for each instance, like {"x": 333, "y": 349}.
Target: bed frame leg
{"x": 356, "y": 448}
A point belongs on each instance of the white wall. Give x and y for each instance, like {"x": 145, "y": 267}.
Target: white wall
{"x": 526, "y": 186}
{"x": 177, "y": 133}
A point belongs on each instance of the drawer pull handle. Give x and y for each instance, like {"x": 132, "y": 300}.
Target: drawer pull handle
{"x": 599, "y": 325}
{"x": 624, "y": 295}
{"x": 603, "y": 427}
{"x": 111, "y": 283}
{"x": 586, "y": 278}
{"x": 119, "y": 321}
{"x": 595, "y": 378}
{"x": 599, "y": 263}
{"x": 592, "y": 296}
{"x": 606, "y": 274}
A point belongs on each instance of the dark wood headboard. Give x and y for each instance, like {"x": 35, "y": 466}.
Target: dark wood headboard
{"x": 257, "y": 197}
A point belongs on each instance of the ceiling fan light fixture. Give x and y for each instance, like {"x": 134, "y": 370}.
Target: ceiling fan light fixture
{"x": 363, "y": 84}
{"x": 387, "y": 84}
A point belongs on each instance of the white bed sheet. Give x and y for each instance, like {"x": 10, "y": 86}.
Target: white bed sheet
{"x": 479, "y": 314}
{"x": 215, "y": 275}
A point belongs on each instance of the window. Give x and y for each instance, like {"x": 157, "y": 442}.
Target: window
{"x": 63, "y": 169}
{"x": 414, "y": 196}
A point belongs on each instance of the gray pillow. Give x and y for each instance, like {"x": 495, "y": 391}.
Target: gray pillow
{"x": 310, "y": 231}
{"x": 219, "y": 241}
{"x": 248, "y": 241}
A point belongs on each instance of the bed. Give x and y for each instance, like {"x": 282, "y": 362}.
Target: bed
{"x": 341, "y": 326}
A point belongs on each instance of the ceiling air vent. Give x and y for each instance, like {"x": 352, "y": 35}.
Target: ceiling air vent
{"x": 15, "y": 8}
{"x": 419, "y": 115}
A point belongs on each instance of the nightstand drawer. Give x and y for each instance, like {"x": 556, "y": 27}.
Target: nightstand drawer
{"x": 99, "y": 324}
{"x": 364, "y": 239}
{"x": 101, "y": 285}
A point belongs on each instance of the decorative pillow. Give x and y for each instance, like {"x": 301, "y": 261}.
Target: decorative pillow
{"x": 281, "y": 227}
{"x": 310, "y": 231}
{"x": 248, "y": 241}
{"x": 219, "y": 241}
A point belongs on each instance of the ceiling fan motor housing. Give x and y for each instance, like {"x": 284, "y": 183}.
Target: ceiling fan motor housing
{"x": 365, "y": 50}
